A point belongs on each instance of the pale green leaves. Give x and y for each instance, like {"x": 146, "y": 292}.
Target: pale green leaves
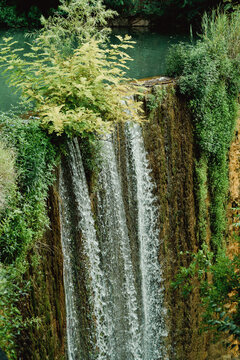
{"x": 74, "y": 80}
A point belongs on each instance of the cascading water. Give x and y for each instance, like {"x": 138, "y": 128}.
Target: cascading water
{"x": 95, "y": 280}
{"x": 73, "y": 336}
{"x": 116, "y": 255}
{"x": 138, "y": 174}
{"x": 121, "y": 307}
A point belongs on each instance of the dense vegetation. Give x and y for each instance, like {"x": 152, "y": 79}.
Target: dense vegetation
{"x": 23, "y": 217}
{"x": 7, "y": 171}
{"x": 74, "y": 86}
{"x": 164, "y": 13}
{"x": 209, "y": 77}
{"x": 16, "y": 13}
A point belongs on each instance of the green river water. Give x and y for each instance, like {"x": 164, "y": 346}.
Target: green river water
{"x": 149, "y": 54}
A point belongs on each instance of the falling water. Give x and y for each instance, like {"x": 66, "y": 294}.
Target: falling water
{"x": 117, "y": 264}
{"x": 122, "y": 312}
{"x": 92, "y": 259}
{"x": 73, "y": 336}
{"x": 138, "y": 174}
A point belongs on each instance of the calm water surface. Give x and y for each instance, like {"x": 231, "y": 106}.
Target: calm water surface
{"x": 149, "y": 56}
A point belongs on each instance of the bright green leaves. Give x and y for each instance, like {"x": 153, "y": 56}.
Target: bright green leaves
{"x": 75, "y": 82}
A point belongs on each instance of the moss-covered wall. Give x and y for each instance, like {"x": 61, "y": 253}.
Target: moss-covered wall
{"x": 170, "y": 144}
{"x": 45, "y": 338}
{"x": 169, "y": 140}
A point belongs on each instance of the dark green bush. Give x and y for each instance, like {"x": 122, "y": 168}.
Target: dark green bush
{"x": 19, "y": 14}
{"x": 209, "y": 76}
{"x": 25, "y": 216}
{"x": 23, "y": 219}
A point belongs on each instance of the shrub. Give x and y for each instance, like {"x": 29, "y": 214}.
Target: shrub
{"x": 24, "y": 217}
{"x": 9, "y": 16}
{"x": 220, "y": 291}
{"x": 75, "y": 83}
{"x": 209, "y": 76}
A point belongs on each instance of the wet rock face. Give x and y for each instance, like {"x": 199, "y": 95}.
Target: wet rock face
{"x": 46, "y": 301}
{"x": 169, "y": 142}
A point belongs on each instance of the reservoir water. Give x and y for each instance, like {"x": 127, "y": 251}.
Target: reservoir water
{"x": 149, "y": 55}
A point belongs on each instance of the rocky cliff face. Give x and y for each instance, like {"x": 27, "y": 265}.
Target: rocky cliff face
{"x": 45, "y": 338}
{"x": 170, "y": 144}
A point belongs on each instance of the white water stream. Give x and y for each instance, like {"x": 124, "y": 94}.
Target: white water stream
{"x": 138, "y": 173}
{"x": 92, "y": 260}
{"x": 126, "y": 309}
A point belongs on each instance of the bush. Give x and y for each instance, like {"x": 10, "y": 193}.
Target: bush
{"x": 9, "y": 16}
{"x": 209, "y": 76}
{"x": 219, "y": 290}
{"x": 17, "y": 14}
{"x": 75, "y": 83}
{"x": 24, "y": 217}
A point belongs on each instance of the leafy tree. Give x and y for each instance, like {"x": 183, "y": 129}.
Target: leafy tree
{"x": 74, "y": 81}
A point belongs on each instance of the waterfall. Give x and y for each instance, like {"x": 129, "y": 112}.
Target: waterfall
{"x": 116, "y": 254}
{"x": 138, "y": 174}
{"x": 73, "y": 336}
{"x": 112, "y": 275}
{"x": 95, "y": 285}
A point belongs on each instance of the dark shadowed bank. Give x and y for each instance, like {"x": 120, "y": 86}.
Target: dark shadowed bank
{"x": 163, "y": 14}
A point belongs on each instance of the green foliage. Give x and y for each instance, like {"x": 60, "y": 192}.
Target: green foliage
{"x": 219, "y": 286}
{"x": 123, "y": 7}
{"x": 23, "y": 219}
{"x": 218, "y": 189}
{"x": 74, "y": 90}
{"x": 166, "y": 13}
{"x": 25, "y": 215}
{"x": 230, "y": 5}
{"x": 209, "y": 76}
{"x": 17, "y": 14}
{"x": 155, "y": 98}
{"x": 12, "y": 288}
{"x": 9, "y": 16}
{"x": 152, "y": 7}
{"x": 201, "y": 167}
{"x": 75, "y": 22}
